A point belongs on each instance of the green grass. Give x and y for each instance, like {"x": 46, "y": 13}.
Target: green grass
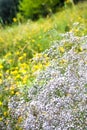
{"x": 19, "y": 43}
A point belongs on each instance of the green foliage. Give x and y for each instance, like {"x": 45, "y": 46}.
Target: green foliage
{"x": 34, "y": 9}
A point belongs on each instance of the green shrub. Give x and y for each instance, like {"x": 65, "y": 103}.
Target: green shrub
{"x": 34, "y": 9}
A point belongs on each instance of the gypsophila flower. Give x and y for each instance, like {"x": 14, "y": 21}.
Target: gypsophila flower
{"x": 58, "y": 97}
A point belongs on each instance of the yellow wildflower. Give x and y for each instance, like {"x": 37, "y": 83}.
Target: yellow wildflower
{"x": 0, "y": 74}
{"x": 0, "y": 81}
{"x": 17, "y": 93}
{"x": 79, "y": 18}
{"x": 12, "y": 92}
{"x": 47, "y": 63}
{"x": 14, "y": 20}
{"x": 1, "y": 39}
{"x": 21, "y": 57}
{"x": 37, "y": 67}
{"x": 23, "y": 71}
{"x": 80, "y": 49}
{"x": 14, "y": 72}
{"x": 19, "y": 119}
{"x": 23, "y": 65}
{"x": 16, "y": 68}
{"x": 18, "y": 76}
{"x": 38, "y": 55}
{"x": 7, "y": 55}
{"x": 33, "y": 40}
{"x": 24, "y": 54}
{"x": 12, "y": 88}
{"x": 1, "y": 118}
{"x": 1, "y": 66}
{"x": 1, "y": 103}
{"x": 17, "y": 53}
{"x": 61, "y": 49}
{"x": 25, "y": 79}
{"x": 63, "y": 61}
{"x": 5, "y": 113}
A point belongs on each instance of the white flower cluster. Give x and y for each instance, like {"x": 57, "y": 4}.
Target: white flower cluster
{"x": 58, "y": 98}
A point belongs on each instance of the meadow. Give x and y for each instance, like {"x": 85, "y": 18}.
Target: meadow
{"x": 28, "y": 50}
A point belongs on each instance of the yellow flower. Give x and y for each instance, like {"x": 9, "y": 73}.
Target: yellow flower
{"x": 37, "y": 67}
{"x": 14, "y": 20}
{"x": 12, "y": 88}
{"x": 16, "y": 68}
{"x": 21, "y": 57}
{"x": 63, "y": 61}
{"x": 79, "y": 18}
{"x": 17, "y": 93}
{"x": 23, "y": 71}
{"x": 1, "y": 118}
{"x": 5, "y": 113}
{"x": 19, "y": 119}
{"x": 80, "y": 49}
{"x": 0, "y": 74}
{"x": 61, "y": 49}
{"x": 7, "y": 55}
{"x": 76, "y": 30}
{"x": 25, "y": 79}
{"x": 38, "y": 55}
{"x": 18, "y": 76}
{"x": 1, "y": 66}
{"x": 1, "y": 103}
{"x": 33, "y": 40}
{"x": 7, "y": 71}
{"x": 47, "y": 63}
{"x": 12, "y": 92}
{"x": 14, "y": 72}
{"x": 0, "y": 81}
{"x": 67, "y": 1}
{"x": 17, "y": 53}
{"x": 24, "y": 54}
{"x": 1, "y": 39}
{"x": 23, "y": 65}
